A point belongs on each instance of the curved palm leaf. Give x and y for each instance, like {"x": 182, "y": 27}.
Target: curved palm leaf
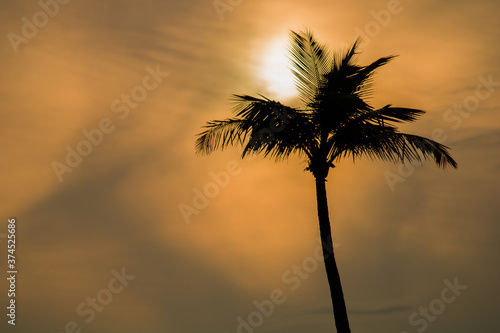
{"x": 384, "y": 142}
{"x": 261, "y": 126}
{"x": 311, "y": 60}
{"x": 221, "y": 133}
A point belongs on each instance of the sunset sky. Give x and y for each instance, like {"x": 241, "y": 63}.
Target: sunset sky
{"x": 129, "y": 84}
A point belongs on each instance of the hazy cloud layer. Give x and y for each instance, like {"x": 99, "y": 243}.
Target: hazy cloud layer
{"x": 119, "y": 206}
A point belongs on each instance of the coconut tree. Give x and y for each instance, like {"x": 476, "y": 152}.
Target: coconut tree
{"x": 335, "y": 121}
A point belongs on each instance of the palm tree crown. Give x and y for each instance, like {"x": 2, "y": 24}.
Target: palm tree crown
{"x": 335, "y": 121}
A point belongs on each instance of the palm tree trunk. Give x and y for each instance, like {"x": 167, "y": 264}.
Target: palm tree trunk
{"x": 338, "y": 302}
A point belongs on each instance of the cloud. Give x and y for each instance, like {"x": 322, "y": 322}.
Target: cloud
{"x": 382, "y": 311}
{"x": 120, "y": 206}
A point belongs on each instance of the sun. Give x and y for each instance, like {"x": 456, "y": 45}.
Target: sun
{"x": 274, "y": 70}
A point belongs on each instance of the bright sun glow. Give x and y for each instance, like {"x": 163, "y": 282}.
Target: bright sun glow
{"x": 274, "y": 69}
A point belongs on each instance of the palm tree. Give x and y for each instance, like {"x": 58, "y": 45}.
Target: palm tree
{"x": 334, "y": 122}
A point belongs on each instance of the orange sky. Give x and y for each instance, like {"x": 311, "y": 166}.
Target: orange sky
{"x": 178, "y": 63}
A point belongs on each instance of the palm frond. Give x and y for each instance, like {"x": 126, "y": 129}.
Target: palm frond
{"x": 391, "y": 114}
{"x": 347, "y": 58}
{"x": 426, "y": 149}
{"x": 364, "y": 77}
{"x": 221, "y": 133}
{"x": 310, "y": 60}
{"x": 277, "y": 130}
{"x": 384, "y": 142}
{"x": 260, "y": 126}
{"x": 348, "y": 77}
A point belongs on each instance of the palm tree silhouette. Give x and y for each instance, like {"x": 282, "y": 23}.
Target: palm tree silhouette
{"x": 335, "y": 122}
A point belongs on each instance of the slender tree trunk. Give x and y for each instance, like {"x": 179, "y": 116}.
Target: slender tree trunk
{"x": 338, "y": 302}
